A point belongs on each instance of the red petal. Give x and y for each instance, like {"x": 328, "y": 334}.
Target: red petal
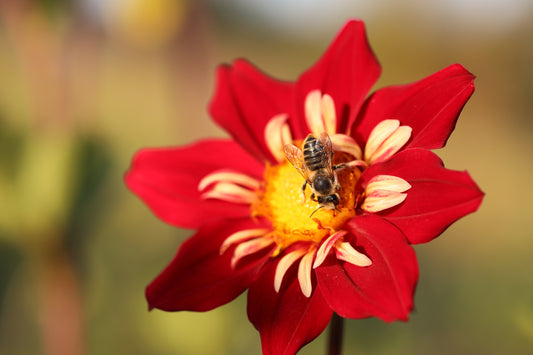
{"x": 438, "y": 196}
{"x": 245, "y": 100}
{"x": 384, "y": 289}
{"x": 199, "y": 278}
{"x": 346, "y": 71}
{"x": 286, "y": 320}
{"x": 167, "y": 180}
{"x": 430, "y": 107}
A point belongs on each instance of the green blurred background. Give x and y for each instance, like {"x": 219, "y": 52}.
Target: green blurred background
{"x": 86, "y": 83}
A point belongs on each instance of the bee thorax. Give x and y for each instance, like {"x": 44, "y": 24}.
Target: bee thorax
{"x": 322, "y": 184}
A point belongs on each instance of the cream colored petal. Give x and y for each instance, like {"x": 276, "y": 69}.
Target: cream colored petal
{"x": 304, "y": 274}
{"x": 391, "y": 145}
{"x": 326, "y": 246}
{"x": 286, "y": 136}
{"x": 284, "y": 264}
{"x": 229, "y": 177}
{"x": 355, "y": 163}
{"x": 346, "y": 144}
{"x": 381, "y": 200}
{"x": 250, "y": 247}
{"x": 277, "y": 134}
{"x": 241, "y": 236}
{"x": 231, "y": 193}
{"x": 379, "y": 134}
{"x": 313, "y": 112}
{"x": 329, "y": 115}
{"x": 388, "y": 183}
{"x": 344, "y": 251}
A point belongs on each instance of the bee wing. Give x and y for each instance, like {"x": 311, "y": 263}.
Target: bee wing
{"x": 296, "y": 158}
{"x": 324, "y": 139}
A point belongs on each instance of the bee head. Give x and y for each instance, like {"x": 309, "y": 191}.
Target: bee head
{"x": 331, "y": 200}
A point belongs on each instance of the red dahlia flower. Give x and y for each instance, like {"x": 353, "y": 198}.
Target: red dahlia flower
{"x": 244, "y": 198}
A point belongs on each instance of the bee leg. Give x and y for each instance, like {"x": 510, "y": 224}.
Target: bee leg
{"x": 339, "y": 167}
{"x": 303, "y": 192}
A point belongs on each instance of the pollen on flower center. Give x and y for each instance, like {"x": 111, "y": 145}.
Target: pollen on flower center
{"x": 281, "y": 202}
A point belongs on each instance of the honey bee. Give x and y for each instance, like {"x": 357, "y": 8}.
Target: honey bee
{"x": 315, "y": 165}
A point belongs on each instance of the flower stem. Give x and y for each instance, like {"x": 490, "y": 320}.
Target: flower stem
{"x": 60, "y": 305}
{"x": 336, "y": 326}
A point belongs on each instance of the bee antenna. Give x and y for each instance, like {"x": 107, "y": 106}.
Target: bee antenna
{"x": 311, "y": 215}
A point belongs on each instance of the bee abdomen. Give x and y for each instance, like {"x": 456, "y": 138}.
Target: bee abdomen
{"x": 314, "y": 163}
{"x": 313, "y": 152}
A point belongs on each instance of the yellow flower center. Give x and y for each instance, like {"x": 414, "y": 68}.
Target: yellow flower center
{"x": 281, "y": 202}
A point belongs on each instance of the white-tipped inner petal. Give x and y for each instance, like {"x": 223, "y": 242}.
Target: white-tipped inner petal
{"x": 277, "y": 134}
{"x": 320, "y": 114}
{"x": 381, "y": 200}
{"x": 284, "y": 264}
{"x": 387, "y": 182}
{"x": 313, "y": 112}
{"x": 391, "y": 145}
{"x": 355, "y": 163}
{"x": 231, "y": 193}
{"x": 249, "y": 247}
{"x": 383, "y": 192}
{"x": 378, "y": 135}
{"x": 329, "y": 115}
{"x": 229, "y": 177}
{"x": 346, "y": 144}
{"x": 304, "y": 273}
{"x": 344, "y": 251}
{"x": 241, "y": 236}
{"x": 326, "y": 246}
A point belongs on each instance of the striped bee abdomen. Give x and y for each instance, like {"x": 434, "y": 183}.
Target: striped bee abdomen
{"x": 314, "y": 153}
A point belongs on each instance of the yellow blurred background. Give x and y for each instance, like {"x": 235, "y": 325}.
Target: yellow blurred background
{"x": 86, "y": 83}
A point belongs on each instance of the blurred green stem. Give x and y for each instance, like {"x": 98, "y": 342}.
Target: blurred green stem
{"x": 59, "y": 303}
{"x": 336, "y": 326}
